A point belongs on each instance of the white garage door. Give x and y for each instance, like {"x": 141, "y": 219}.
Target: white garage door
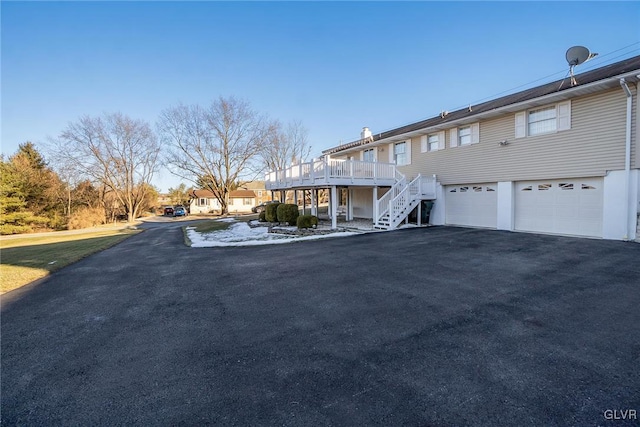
{"x": 474, "y": 205}
{"x": 568, "y": 206}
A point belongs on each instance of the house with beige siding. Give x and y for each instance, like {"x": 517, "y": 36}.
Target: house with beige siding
{"x": 261, "y": 193}
{"x": 204, "y": 202}
{"x": 560, "y": 158}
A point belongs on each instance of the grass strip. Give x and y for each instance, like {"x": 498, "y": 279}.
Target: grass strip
{"x": 24, "y": 260}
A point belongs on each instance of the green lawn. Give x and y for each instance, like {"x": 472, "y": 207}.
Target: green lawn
{"x": 26, "y": 259}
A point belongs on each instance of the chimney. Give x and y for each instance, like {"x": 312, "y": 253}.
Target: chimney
{"x": 365, "y": 134}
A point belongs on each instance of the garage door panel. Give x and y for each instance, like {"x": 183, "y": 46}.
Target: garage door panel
{"x": 568, "y": 206}
{"x": 472, "y": 205}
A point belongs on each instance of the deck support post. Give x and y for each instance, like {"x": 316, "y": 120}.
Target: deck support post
{"x": 349, "y": 204}
{"x": 333, "y": 203}
{"x": 375, "y": 205}
{"x": 304, "y": 201}
{"x": 314, "y": 201}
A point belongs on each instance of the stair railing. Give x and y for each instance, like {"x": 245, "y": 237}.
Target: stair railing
{"x": 383, "y": 202}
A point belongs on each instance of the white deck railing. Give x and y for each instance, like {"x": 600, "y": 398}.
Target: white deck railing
{"x": 332, "y": 172}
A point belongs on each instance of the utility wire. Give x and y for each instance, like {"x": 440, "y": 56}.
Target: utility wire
{"x": 593, "y": 64}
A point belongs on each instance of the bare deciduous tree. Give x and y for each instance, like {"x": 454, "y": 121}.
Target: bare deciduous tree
{"x": 116, "y": 151}
{"x": 285, "y": 146}
{"x": 216, "y": 146}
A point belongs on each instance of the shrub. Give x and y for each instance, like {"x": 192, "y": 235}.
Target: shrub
{"x": 262, "y": 216}
{"x": 307, "y": 221}
{"x": 86, "y": 217}
{"x": 271, "y": 212}
{"x": 288, "y": 213}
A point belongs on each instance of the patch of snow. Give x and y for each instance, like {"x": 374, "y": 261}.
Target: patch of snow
{"x": 226, "y": 220}
{"x": 240, "y": 234}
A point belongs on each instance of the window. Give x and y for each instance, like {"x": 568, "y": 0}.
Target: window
{"x": 203, "y": 202}
{"x": 432, "y": 142}
{"x": 367, "y": 156}
{"x": 246, "y": 201}
{"x": 259, "y": 193}
{"x": 539, "y": 121}
{"x": 464, "y": 135}
{"x": 542, "y": 120}
{"x": 400, "y": 154}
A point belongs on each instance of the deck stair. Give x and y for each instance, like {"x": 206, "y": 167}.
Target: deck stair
{"x": 403, "y": 197}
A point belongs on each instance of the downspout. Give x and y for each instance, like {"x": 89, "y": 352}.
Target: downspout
{"x": 627, "y": 156}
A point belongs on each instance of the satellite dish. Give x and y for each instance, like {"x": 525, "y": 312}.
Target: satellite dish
{"x": 577, "y": 55}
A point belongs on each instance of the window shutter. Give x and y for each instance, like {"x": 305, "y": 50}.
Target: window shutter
{"x": 441, "y": 142}
{"x": 521, "y": 124}
{"x": 563, "y": 111}
{"x": 475, "y": 133}
{"x": 407, "y": 144}
{"x": 391, "y": 158}
{"x": 453, "y": 137}
{"x": 362, "y": 155}
{"x": 423, "y": 144}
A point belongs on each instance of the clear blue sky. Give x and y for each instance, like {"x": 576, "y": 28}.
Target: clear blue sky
{"x": 336, "y": 66}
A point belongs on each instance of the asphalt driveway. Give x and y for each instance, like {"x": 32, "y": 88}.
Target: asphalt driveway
{"x": 437, "y": 326}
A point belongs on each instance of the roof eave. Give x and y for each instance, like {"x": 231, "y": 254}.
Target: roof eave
{"x": 580, "y": 90}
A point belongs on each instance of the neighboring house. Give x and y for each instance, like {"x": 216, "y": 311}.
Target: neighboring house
{"x": 164, "y": 199}
{"x": 262, "y": 195}
{"x": 240, "y": 201}
{"x": 556, "y": 158}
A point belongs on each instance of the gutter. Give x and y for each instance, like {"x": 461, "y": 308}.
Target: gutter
{"x": 627, "y": 156}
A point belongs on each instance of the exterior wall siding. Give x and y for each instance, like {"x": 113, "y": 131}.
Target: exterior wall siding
{"x": 594, "y": 145}
{"x": 363, "y": 202}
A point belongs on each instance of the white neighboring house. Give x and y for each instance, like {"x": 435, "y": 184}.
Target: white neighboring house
{"x": 557, "y": 158}
{"x": 240, "y": 201}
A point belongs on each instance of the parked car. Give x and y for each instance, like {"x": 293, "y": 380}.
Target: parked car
{"x": 179, "y": 211}
{"x": 262, "y": 206}
{"x": 168, "y": 211}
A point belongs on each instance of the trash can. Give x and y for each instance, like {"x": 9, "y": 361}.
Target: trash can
{"x": 426, "y": 207}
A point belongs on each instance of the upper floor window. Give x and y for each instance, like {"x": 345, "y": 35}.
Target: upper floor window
{"x": 367, "y": 156}
{"x": 548, "y": 119}
{"x": 542, "y": 120}
{"x": 432, "y": 142}
{"x": 259, "y": 193}
{"x": 400, "y": 153}
{"x": 464, "y": 135}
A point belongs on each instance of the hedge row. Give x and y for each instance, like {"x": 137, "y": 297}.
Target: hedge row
{"x": 287, "y": 213}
